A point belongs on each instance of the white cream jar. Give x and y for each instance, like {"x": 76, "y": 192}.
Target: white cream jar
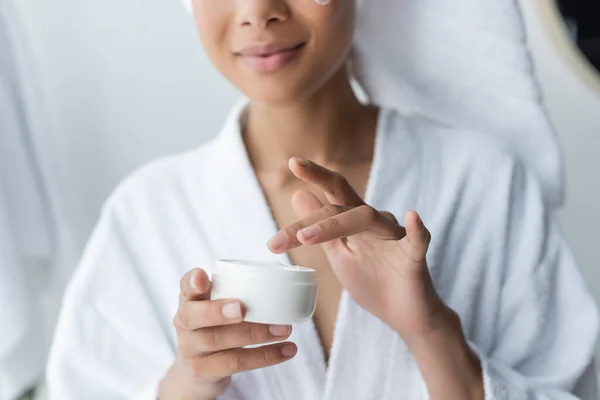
{"x": 272, "y": 293}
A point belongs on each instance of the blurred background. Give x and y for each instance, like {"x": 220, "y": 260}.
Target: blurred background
{"x": 103, "y": 87}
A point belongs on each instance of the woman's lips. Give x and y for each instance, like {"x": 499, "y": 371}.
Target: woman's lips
{"x": 270, "y": 58}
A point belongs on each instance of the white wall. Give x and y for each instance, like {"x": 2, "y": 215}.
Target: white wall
{"x": 126, "y": 81}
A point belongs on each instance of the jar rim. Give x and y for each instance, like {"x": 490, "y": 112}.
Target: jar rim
{"x": 266, "y": 269}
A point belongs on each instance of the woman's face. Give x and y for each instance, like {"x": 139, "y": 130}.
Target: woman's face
{"x": 276, "y": 51}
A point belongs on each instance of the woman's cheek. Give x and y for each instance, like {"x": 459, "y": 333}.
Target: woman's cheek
{"x": 334, "y": 26}
{"x": 335, "y": 15}
{"x": 213, "y": 21}
{"x": 214, "y": 39}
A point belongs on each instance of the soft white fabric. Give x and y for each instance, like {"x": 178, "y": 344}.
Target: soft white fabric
{"x": 464, "y": 63}
{"x": 31, "y": 243}
{"x": 497, "y": 257}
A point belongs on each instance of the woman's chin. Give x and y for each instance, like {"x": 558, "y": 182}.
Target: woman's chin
{"x": 279, "y": 96}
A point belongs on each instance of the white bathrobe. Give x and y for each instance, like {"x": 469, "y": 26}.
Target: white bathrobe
{"x": 498, "y": 258}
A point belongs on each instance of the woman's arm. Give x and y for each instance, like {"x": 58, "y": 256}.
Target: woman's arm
{"x": 547, "y": 320}
{"x": 449, "y": 366}
{"x": 109, "y": 344}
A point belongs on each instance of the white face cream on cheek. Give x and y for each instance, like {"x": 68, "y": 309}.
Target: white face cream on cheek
{"x": 323, "y": 2}
{"x": 272, "y": 292}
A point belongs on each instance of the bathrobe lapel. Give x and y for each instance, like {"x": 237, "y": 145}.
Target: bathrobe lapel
{"x": 241, "y": 224}
{"x": 365, "y": 350}
{"x": 368, "y": 359}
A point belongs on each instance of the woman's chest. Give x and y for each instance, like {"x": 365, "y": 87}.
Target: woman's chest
{"x": 367, "y": 360}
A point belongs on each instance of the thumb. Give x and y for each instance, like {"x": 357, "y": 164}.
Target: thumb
{"x": 305, "y": 203}
{"x": 416, "y": 242}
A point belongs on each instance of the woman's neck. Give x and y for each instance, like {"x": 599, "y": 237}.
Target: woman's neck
{"x": 330, "y": 128}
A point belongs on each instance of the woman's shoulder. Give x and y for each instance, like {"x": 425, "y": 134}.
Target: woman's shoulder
{"x": 464, "y": 171}
{"x": 461, "y": 144}
{"x": 150, "y": 216}
{"x": 163, "y": 179}
{"x": 457, "y": 153}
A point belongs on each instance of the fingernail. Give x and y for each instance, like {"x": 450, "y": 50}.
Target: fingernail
{"x": 232, "y": 311}
{"x": 288, "y": 350}
{"x": 193, "y": 282}
{"x": 302, "y": 161}
{"x": 309, "y": 233}
{"x": 279, "y": 330}
{"x": 279, "y": 240}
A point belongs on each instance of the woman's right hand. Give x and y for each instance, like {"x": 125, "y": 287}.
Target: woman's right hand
{"x": 211, "y": 336}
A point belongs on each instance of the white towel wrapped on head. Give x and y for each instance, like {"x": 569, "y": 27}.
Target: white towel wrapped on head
{"x": 465, "y": 63}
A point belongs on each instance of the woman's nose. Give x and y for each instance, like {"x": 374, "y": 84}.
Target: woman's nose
{"x": 261, "y": 13}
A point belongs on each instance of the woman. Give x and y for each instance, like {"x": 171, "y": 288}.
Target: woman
{"x": 490, "y": 305}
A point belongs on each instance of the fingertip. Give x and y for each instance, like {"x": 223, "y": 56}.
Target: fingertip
{"x": 305, "y": 203}
{"x": 199, "y": 281}
{"x": 296, "y": 164}
{"x": 280, "y": 250}
{"x": 415, "y": 228}
{"x": 302, "y": 162}
{"x": 277, "y": 243}
{"x": 292, "y": 163}
{"x": 297, "y": 198}
{"x": 233, "y": 311}
{"x": 412, "y": 219}
{"x": 194, "y": 279}
{"x": 416, "y": 231}
{"x": 300, "y": 237}
{"x": 289, "y": 349}
{"x": 309, "y": 234}
{"x": 418, "y": 219}
{"x": 280, "y": 331}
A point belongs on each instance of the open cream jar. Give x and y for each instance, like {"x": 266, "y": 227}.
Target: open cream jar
{"x": 273, "y": 293}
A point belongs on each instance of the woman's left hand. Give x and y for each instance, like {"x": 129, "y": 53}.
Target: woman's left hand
{"x": 380, "y": 263}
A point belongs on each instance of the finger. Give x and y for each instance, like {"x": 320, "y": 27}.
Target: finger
{"x": 305, "y": 203}
{"x": 231, "y": 362}
{"x": 194, "y": 315}
{"x": 418, "y": 238}
{"x": 336, "y": 187}
{"x": 389, "y": 216}
{"x": 218, "y": 338}
{"x": 286, "y": 239}
{"x": 350, "y": 223}
{"x": 194, "y": 286}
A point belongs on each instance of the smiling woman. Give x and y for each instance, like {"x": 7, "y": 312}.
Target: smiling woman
{"x": 440, "y": 266}
{"x": 310, "y": 40}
